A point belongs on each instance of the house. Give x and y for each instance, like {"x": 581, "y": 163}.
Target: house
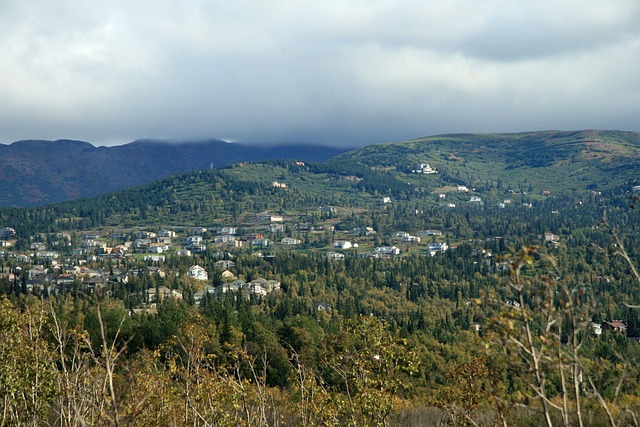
{"x": 156, "y": 271}
{"x": 7, "y": 232}
{"x": 256, "y": 289}
{"x": 323, "y": 306}
{"x": 225, "y": 238}
{"x": 198, "y": 230}
{"x": 183, "y": 252}
{"x": 262, "y": 243}
{"x": 342, "y": 244}
{"x": 475, "y": 199}
{"x": 154, "y": 258}
{"x": 66, "y": 279}
{"x": 229, "y": 287}
{"x": 228, "y": 230}
{"x": 167, "y": 233}
{"x": 328, "y": 209}
{"x": 196, "y": 248}
{"x": 263, "y": 217}
{"x": 160, "y": 293}
{"x": 157, "y": 248}
{"x": 463, "y": 188}
{"x": 6, "y": 274}
{"x": 276, "y": 184}
{"x": 425, "y": 233}
{"x": 224, "y": 264}
{"x": 616, "y": 325}
{"x": 386, "y": 200}
{"x": 335, "y": 255}
{"x": 411, "y": 239}
{"x": 194, "y": 240}
{"x": 387, "y": 250}
{"x": 275, "y": 228}
{"x": 550, "y": 237}
{"x": 437, "y": 247}
{"x": 474, "y": 327}
{"x": 198, "y": 273}
{"x": 139, "y": 243}
{"x": 596, "y": 328}
{"x": 145, "y": 235}
{"x": 197, "y": 296}
{"x": 38, "y": 246}
{"x": 47, "y": 255}
{"x": 119, "y": 250}
{"x": 289, "y": 241}
{"x": 267, "y": 285}
{"x": 424, "y": 168}
{"x": 363, "y": 231}
{"x": 227, "y": 275}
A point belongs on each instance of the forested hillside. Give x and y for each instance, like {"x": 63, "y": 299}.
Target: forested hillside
{"x": 34, "y": 173}
{"x": 340, "y": 293}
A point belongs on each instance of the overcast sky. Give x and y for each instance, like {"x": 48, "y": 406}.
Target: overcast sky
{"x": 348, "y": 72}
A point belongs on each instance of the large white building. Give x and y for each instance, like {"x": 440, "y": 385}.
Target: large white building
{"x": 198, "y": 273}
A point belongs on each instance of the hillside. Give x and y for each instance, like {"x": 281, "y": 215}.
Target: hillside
{"x": 220, "y": 295}
{"x": 39, "y": 172}
{"x": 553, "y": 161}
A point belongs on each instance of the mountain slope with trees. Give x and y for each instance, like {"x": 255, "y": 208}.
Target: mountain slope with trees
{"x": 38, "y": 172}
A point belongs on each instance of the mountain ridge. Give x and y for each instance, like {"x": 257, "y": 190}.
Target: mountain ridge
{"x": 37, "y": 172}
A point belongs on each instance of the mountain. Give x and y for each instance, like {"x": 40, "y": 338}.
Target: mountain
{"x": 495, "y": 165}
{"x": 496, "y": 171}
{"x": 36, "y": 172}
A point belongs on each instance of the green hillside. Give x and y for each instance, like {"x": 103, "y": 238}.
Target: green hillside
{"x": 521, "y": 168}
{"x": 559, "y": 162}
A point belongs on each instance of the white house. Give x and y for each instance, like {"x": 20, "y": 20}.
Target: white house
{"x": 225, "y": 238}
{"x": 290, "y": 241}
{"x": 434, "y": 248}
{"x": 424, "y": 168}
{"x": 194, "y": 240}
{"x": 387, "y": 250}
{"x": 263, "y": 243}
{"x": 228, "y": 230}
{"x": 342, "y": 244}
{"x": 198, "y": 273}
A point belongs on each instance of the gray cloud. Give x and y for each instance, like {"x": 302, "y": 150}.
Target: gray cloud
{"x": 336, "y": 72}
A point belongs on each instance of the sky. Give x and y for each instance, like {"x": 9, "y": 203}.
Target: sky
{"x": 336, "y": 72}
